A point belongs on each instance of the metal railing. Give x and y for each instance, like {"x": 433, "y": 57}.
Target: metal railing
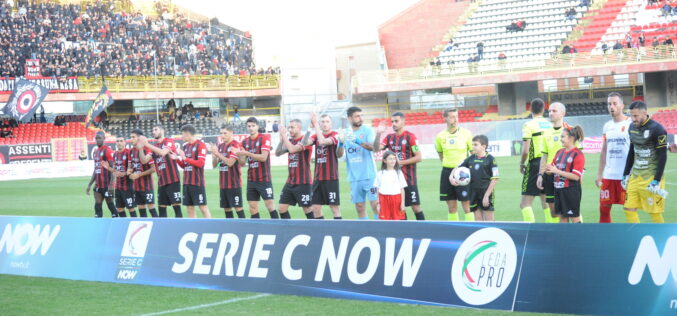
{"x": 618, "y": 57}
{"x": 179, "y": 83}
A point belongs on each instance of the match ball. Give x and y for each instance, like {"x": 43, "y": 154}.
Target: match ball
{"x": 461, "y": 175}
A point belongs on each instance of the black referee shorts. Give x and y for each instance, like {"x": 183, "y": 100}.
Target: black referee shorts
{"x": 231, "y": 198}
{"x": 326, "y": 192}
{"x": 449, "y": 192}
{"x": 194, "y": 195}
{"x": 259, "y": 191}
{"x": 293, "y": 194}
{"x": 530, "y": 177}
{"x": 124, "y": 199}
{"x": 169, "y": 194}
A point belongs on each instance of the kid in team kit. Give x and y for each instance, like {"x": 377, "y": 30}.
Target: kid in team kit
{"x": 483, "y": 178}
{"x": 568, "y": 172}
{"x": 390, "y": 184}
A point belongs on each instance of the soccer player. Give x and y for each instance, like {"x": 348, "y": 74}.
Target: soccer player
{"x": 192, "y": 160}
{"x": 103, "y": 157}
{"x": 169, "y": 184}
{"x": 141, "y": 174}
{"x": 297, "y": 189}
{"x": 551, "y": 145}
{"x": 358, "y": 145}
{"x": 230, "y": 173}
{"x": 530, "y": 162}
{"x": 483, "y": 178}
{"x": 615, "y": 147}
{"x": 256, "y": 153}
{"x": 326, "y": 183}
{"x": 124, "y": 196}
{"x": 643, "y": 174}
{"x": 405, "y": 145}
{"x": 568, "y": 172}
{"x": 453, "y": 145}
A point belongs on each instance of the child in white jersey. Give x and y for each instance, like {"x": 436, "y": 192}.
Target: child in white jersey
{"x": 390, "y": 183}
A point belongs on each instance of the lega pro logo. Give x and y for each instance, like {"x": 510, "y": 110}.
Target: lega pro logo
{"x": 484, "y": 266}
{"x": 134, "y": 249}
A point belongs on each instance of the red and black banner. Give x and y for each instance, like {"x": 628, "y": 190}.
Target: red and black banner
{"x": 27, "y": 153}
{"x": 54, "y": 84}
{"x": 25, "y": 100}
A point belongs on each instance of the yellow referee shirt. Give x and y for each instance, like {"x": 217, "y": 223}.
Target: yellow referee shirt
{"x": 533, "y": 130}
{"x": 454, "y": 147}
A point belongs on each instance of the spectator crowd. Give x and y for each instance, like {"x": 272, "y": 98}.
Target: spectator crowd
{"x": 70, "y": 42}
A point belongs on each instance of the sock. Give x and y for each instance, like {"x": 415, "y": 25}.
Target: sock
{"x": 257, "y": 215}
{"x": 98, "y": 210}
{"x": 240, "y": 214}
{"x": 631, "y": 217}
{"x": 580, "y": 217}
{"x": 469, "y": 217}
{"x": 453, "y": 217}
{"x": 229, "y": 214}
{"x": 419, "y": 216}
{"x": 122, "y": 214}
{"x": 321, "y": 217}
{"x": 177, "y": 211}
{"x": 548, "y": 218}
{"x": 163, "y": 211}
{"x": 338, "y": 217}
{"x": 285, "y": 215}
{"x": 364, "y": 218}
{"x": 554, "y": 219}
{"x": 112, "y": 209}
{"x": 528, "y": 215}
{"x": 153, "y": 213}
{"x": 274, "y": 215}
{"x": 142, "y": 212}
{"x": 310, "y": 215}
{"x": 604, "y": 213}
{"x": 657, "y": 217}
{"x": 132, "y": 213}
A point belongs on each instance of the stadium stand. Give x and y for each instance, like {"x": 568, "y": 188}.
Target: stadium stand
{"x": 37, "y": 133}
{"x": 72, "y": 42}
{"x": 203, "y": 126}
{"x": 667, "y": 118}
{"x": 524, "y": 33}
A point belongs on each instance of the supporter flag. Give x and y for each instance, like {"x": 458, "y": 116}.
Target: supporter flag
{"x": 25, "y": 100}
{"x": 102, "y": 101}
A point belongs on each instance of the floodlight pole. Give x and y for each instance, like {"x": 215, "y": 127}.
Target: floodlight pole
{"x": 157, "y": 108}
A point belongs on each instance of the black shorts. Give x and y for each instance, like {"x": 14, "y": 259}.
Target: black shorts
{"x": 530, "y": 177}
{"x": 549, "y": 187}
{"x": 194, "y": 195}
{"x": 103, "y": 191}
{"x": 449, "y": 192}
{"x": 476, "y": 197}
{"x": 326, "y": 192}
{"x": 169, "y": 194}
{"x": 231, "y": 198}
{"x": 259, "y": 191}
{"x": 293, "y": 194}
{"x": 125, "y": 199}
{"x": 411, "y": 196}
{"x": 568, "y": 202}
{"x": 144, "y": 197}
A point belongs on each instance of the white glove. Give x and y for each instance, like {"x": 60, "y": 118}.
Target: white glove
{"x": 624, "y": 182}
{"x": 655, "y": 188}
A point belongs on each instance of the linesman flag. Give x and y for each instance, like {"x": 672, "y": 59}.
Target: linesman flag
{"x": 102, "y": 101}
{"x": 25, "y": 100}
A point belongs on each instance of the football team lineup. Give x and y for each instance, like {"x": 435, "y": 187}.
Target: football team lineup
{"x": 630, "y": 173}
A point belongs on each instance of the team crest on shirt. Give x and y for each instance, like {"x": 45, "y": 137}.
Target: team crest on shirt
{"x": 647, "y": 133}
{"x": 623, "y": 128}
{"x": 477, "y": 166}
{"x": 569, "y": 160}
{"x": 452, "y": 141}
{"x": 556, "y": 138}
{"x": 404, "y": 142}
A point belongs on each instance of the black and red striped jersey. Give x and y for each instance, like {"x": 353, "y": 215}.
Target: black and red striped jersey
{"x": 144, "y": 183}
{"x": 166, "y": 167}
{"x": 102, "y": 176}
{"x": 194, "y": 164}
{"x": 326, "y": 161}
{"x": 258, "y": 171}
{"x": 299, "y": 164}
{"x": 569, "y": 161}
{"x": 229, "y": 177}
{"x": 122, "y": 158}
{"x": 404, "y": 146}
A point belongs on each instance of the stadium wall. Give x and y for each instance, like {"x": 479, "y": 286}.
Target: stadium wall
{"x": 620, "y": 269}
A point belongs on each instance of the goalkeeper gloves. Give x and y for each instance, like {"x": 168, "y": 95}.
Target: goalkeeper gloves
{"x": 624, "y": 182}
{"x": 655, "y": 188}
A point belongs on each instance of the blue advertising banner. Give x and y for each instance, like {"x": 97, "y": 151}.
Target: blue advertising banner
{"x": 580, "y": 269}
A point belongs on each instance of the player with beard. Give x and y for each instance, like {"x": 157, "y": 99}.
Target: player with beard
{"x": 298, "y": 189}
{"x": 230, "y": 174}
{"x": 124, "y": 196}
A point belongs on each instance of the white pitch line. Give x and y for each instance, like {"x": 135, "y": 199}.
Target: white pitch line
{"x": 190, "y": 308}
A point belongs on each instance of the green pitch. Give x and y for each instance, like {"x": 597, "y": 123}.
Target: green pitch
{"x": 66, "y": 197}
